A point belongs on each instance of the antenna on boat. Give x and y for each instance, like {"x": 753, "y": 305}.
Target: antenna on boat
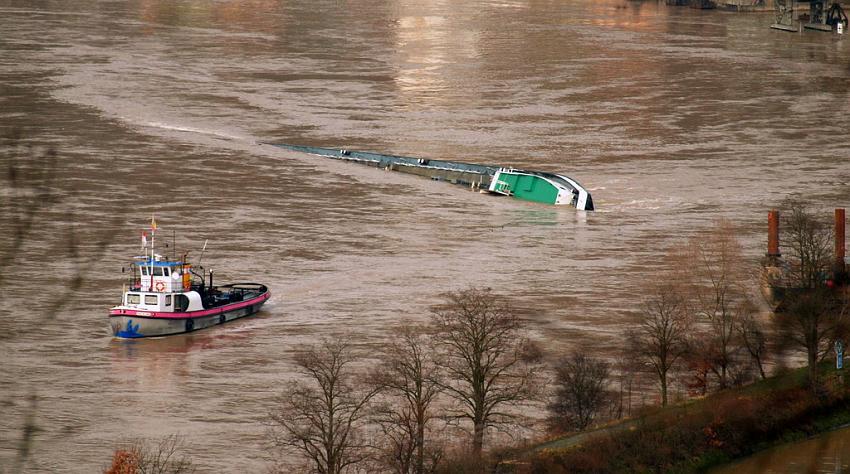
{"x": 202, "y": 253}
{"x": 153, "y": 253}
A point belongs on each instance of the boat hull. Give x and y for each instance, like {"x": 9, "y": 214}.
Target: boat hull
{"x": 537, "y": 186}
{"x": 131, "y": 324}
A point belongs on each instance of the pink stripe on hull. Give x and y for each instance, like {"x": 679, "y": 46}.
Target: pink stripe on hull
{"x": 191, "y": 314}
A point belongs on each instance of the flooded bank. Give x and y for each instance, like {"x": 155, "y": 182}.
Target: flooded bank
{"x": 828, "y": 453}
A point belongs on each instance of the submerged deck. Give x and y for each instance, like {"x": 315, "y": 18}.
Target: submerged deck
{"x": 456, "y": 172}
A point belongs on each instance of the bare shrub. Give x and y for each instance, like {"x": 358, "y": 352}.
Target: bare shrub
{"x": 151, "y": 457}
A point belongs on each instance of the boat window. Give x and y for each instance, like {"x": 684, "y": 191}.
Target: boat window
{"x": 157, "y": 271}
{"x": 145, "y": 271}
{"x": 181, "y": 302}
{"x": 151, "y": 299}
{"x": 133, "y": 298}
{"x": 165, "y": 271}
{"x": 167, "y": 300}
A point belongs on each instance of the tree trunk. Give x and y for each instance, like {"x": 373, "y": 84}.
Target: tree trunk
{"x": 478, "y": 440}
{"x": 761, "y": 368}
{"x": 664, "y": 389}
{"x": 813, "y": 366}
{"x": 420, "y": 445}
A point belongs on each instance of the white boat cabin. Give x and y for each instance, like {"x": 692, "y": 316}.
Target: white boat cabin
{"x": 162, "y": 285}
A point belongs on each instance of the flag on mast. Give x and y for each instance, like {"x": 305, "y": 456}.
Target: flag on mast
{"x": 153, "y": 223}
{"x": 144, "y": 239}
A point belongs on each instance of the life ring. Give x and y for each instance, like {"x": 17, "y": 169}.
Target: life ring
{"x": 160, "y": 286}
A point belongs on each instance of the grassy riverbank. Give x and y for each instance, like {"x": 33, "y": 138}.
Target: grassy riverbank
{"x": 700, "y": 434}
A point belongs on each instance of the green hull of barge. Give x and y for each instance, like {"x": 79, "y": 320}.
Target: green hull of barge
{"x": 529, "y": 188}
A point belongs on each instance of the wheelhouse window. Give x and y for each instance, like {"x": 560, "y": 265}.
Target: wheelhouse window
{"x": 144, "y": 271}
{"x": 151, "y": 300}
{"x": 133, "y": 298}
{"x": 157, "y": 271}
{"x": 167, "y": 300}
{"x": 165, "y": 271}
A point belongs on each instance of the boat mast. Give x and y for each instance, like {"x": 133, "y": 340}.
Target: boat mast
{"x": 153, "y": 245}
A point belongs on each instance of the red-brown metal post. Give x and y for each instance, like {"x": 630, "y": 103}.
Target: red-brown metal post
{"x": 840, "y": 224}
{"x": 773, "y": 234}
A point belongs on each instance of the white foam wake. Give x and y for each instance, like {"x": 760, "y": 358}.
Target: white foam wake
{"x": 185, "y": 129}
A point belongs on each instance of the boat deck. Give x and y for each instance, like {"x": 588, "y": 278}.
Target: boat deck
{"x": 456, "y": 172}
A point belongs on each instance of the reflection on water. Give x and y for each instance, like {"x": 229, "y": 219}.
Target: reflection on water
{"x": 157, "y": 363}
{"x": 828, "y": 453}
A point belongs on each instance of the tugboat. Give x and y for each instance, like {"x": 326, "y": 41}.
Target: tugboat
{"x": 167, "y": 296}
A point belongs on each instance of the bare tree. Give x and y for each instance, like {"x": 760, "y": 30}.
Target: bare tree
{"x": 581, "y": 391}
{"x": 809, "y": 314}
{"x": 754, "y": 338}
{"x": 660, "y": 338}
{"x": 323, "y": 420}
{"x": 716, "y": 279}
{"x": 151, "y": 457}
{"x": 807, "y": 247}
{"x": 813, "y": 319}
{"x": 410, "y": 383}
{"x": 29, "y": 188}
{"x": 627, "y": 373}
{"x": 489, "y": 367}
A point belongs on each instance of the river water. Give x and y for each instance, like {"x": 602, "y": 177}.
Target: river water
{"x": 671, "y": 117}
{"x": 828, "y": 453}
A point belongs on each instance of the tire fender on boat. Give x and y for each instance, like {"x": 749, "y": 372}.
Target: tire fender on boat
{"x": 190, "y": 325}
{"x": 222, "y": 319}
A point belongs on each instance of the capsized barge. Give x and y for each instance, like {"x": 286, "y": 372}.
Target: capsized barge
{"x": 167, "y": 296}
{"x": 536, "y": 186}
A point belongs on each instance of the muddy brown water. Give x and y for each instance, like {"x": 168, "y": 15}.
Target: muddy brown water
{"x": 671, "y": 117}
{"x": 828, "y": 453}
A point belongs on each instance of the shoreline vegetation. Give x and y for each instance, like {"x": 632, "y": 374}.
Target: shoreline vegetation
{"x": 700, "y": 434}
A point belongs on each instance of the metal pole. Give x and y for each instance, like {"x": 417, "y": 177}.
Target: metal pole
{"x": 840, "y": 224}
{"x": 773, "y": 234}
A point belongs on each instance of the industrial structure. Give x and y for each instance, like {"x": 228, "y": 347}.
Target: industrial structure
{"x": 794, "y": 15}
{"x": 775, "y": 267}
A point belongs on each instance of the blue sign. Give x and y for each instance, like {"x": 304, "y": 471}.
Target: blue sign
{"x": 839, "y": 355}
